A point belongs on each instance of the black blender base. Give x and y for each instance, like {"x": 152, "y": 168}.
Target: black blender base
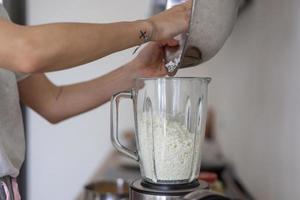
{"x": 197, "y": 190}
{"x": 141, "y": 190}
{"x": 173, "y": 187}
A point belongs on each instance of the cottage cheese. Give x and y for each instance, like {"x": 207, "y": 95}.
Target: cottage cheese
{"x": 166, "y": 149}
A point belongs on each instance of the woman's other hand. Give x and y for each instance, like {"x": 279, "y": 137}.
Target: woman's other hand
{"x": 150, "y": 60}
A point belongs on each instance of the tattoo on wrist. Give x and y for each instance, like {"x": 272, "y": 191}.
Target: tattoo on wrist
{"x": 145, "y": 37}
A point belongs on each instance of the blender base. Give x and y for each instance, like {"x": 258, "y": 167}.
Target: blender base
{"x": 140, "y": 191}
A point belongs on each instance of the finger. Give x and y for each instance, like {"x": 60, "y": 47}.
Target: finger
{"x": 172, "y": 73}
{"x": 163, "y": 70}
{"x": 170, "y": 42}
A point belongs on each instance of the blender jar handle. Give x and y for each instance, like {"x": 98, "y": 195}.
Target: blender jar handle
{"x": 114, "y": 124}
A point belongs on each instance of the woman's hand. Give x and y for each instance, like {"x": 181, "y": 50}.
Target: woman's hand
{"x": 150, "y": 60}
{"x": 172, "y": 22}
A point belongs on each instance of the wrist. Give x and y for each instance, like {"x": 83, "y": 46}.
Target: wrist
{"x": 146, "y": 33}
{"x": 129, "y": 72}
{"x": 133, "y": 69}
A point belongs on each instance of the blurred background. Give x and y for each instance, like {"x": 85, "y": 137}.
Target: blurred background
{"x": 254, "y": 95}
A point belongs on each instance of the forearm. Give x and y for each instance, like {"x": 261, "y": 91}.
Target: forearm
{"x": 79, "y": 98}
{"x": 84, "y": 42}
{"x": 63, "y": 45}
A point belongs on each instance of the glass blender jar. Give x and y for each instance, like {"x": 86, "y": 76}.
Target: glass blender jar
{"x": 170, "y": 117}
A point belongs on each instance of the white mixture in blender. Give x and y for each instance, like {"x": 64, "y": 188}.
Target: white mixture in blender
{"x": 172, "y": 145}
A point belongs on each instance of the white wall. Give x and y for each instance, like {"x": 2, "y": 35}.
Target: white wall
{"x": 63, "y": 157}
{"x": 255, "y": 92}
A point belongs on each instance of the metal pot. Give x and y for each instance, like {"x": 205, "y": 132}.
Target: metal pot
{"x": 107, "y": 190}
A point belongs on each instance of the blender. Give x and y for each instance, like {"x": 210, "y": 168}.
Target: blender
{"x": 170, "y": 118}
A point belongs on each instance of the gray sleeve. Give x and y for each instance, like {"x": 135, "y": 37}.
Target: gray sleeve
{"x": 3, "y": 14}
{"x": 21, "y": 76}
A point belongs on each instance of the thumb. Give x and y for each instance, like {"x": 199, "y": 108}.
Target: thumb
{"x": 170, "y": 43}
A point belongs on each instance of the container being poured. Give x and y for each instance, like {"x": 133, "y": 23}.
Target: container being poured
{"x": 211, "y": 23}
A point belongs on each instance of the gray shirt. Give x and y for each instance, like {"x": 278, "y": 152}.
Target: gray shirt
{"x": 12, "y": 142}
